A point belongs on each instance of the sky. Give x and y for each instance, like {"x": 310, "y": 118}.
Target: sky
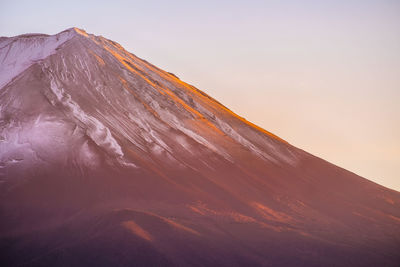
{"x": 323, "y": 75}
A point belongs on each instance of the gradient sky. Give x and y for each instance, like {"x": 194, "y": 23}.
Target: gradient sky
{"x": 324, "y": 75}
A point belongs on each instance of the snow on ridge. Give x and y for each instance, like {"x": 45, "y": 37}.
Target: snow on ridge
{"x": 80, "y": 31}
{"x": 98, "y": 132}
{"x": 19, "y": 52}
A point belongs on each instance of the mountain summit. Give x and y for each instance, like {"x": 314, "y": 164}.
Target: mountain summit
{"x": 107, "y": 160}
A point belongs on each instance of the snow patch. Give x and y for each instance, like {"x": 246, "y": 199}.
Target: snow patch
{"x": 37, "y": 141}
{"x": 226, "y": 128}
{"x": 99, "y": 133}
{"x": 204, "y": 142}
{"x": 20, "y": 52}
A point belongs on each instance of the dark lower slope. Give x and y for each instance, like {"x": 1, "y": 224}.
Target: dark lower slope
{"x": 117, "y": 218}
{"x": 133, "y": 238}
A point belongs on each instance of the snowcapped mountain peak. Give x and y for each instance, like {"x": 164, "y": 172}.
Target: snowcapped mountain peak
{"x": 127, "y": 157}
{"x": 19, "y": 52}
{"x": 77, "y": 31}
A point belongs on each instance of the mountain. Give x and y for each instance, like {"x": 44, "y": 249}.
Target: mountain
{"x": 107, "y": 160}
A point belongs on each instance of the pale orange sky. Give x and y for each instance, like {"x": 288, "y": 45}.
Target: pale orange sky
{"x": 324, "y": 75}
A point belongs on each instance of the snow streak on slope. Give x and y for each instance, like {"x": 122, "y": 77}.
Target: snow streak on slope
{"x": 200, "y": 107}
{"x": 94, "y": 128}
{"x": 139, "y": 104}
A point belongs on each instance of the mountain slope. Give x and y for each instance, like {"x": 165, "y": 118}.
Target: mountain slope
{"x": 108, "y": 160}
